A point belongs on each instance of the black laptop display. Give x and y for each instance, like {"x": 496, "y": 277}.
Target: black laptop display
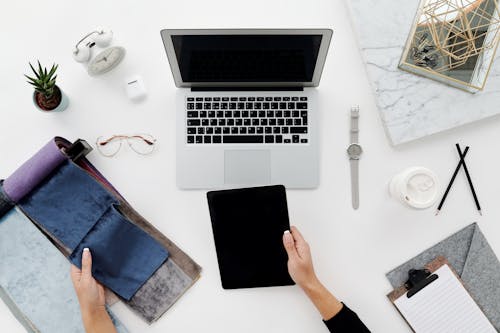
{"x": 248, "y": 226}
{"x": 247, "y": 58}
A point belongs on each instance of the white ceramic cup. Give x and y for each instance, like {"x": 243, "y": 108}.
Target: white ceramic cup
{"x": 415, "y": 187}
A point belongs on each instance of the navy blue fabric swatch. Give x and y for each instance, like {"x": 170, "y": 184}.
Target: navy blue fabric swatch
{"x": 123, "y": 256}
{"x": 76, "y": 209}
{"x": 68, "y": 203}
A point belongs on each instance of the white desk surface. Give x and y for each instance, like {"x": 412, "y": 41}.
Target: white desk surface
{"x": 352, "y": 250}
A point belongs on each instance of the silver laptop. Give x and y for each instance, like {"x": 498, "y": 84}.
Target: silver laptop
{"x": 246, "y": 113}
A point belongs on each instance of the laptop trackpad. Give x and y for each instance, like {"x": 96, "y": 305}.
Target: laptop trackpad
{"x": 247, "y": 167}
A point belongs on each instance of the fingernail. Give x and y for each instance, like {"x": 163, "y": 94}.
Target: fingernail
{"x": 288, "y": 235}
{"x": 86, "y": 251}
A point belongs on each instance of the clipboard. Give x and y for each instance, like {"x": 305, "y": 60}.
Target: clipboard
{"x": 419, "y": 279}
{"x": 470, "y": 254}
{"x": 435, "y": 299}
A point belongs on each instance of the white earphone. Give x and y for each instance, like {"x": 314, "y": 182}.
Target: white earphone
{"x": 99, "y": 37}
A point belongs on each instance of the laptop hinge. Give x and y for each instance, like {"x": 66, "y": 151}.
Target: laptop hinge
{"x": 247, "y": 88}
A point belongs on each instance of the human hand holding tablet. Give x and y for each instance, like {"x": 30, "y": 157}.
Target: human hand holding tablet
{"x": 248, "y": 226}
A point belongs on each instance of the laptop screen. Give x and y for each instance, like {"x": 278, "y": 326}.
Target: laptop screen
{"x": 247, "y": 58}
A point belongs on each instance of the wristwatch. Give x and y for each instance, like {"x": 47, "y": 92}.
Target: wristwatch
{"x": 354, "y": 152}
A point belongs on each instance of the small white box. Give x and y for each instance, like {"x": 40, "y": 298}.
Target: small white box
{"x": 136, "y": 90}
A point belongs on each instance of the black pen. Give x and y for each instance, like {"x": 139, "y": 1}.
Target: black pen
{"x": 452, "y": 179}
{"x": 470, "y": 182}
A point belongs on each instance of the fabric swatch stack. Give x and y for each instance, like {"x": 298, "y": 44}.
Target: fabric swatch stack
{"x": 50, "y": 209}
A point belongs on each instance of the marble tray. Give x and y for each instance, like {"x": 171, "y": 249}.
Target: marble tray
{"x": 412, "y": 107}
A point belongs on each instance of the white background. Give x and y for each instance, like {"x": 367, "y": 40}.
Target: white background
{"x": 352, "y": 250}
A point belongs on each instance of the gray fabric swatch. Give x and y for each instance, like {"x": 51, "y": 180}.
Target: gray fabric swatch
{"x": 161, "y": 291}
{"x": 35, "y": 279}
{"x": 21, "y": 318}
{"x": 169, "y": 282}
{"x": 470, "y": 255}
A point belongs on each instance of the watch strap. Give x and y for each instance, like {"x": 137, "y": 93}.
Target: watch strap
{"x": 354, "y": 124}
{"x": 354, "y": 182}
{"x": 354, "y": 162}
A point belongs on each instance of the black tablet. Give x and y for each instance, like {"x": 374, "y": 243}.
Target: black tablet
{"x": 248, "y": 226}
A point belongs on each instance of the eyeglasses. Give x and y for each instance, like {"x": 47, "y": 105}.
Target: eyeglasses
{"x": 143, "y": 144}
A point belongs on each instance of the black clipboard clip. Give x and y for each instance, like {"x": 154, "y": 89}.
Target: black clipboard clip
{"x": 418, "y": 279}
{"x": 78, "y": 149}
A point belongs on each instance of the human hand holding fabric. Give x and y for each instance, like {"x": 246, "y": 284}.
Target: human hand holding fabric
{"x": 90, "y": 295}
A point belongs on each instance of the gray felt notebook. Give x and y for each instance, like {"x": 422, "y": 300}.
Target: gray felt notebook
{"x": 469, "y": 253}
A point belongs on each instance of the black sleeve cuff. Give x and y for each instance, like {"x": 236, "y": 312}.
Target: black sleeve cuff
{"x": 346, "y": 321}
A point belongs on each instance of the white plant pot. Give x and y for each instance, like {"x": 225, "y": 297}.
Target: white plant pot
{"x": 61, "y": 107}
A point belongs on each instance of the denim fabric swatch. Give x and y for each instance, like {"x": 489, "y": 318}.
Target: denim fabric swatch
{"x": 123, "y": 256}
{"x": 77, "y": 210}
{"x": 35, "y": 281}
{"x": 111, "y": 298}
{"x": 174, "y": 277}
{"x": 188, "y": 265}
{"x": 67, "y": 204}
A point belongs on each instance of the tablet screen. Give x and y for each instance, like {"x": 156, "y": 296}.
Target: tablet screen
{"x": 248, "y": 226}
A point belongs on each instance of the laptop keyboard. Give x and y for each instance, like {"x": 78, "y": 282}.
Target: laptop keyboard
{"x": 247, "y": 120}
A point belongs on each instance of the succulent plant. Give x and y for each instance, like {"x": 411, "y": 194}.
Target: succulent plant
{"x": 48, "y": 95}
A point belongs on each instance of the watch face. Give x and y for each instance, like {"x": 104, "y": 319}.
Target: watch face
{"x": 354, "y": 150}
{"x": 106, "y": 60}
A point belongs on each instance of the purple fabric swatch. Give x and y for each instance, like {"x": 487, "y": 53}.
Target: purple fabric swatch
{"x": 33, "y": 171}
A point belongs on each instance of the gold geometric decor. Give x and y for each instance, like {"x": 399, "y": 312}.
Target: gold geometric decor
{"x": 458, "y": 27}
{"x": 454, "y": 42}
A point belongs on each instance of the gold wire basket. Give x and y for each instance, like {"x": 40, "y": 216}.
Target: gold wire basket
{"x": 454, "y": 42}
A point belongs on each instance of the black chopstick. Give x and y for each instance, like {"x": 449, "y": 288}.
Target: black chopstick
{"x": 452, "y": 179}
{"x": 470, "y": 181}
